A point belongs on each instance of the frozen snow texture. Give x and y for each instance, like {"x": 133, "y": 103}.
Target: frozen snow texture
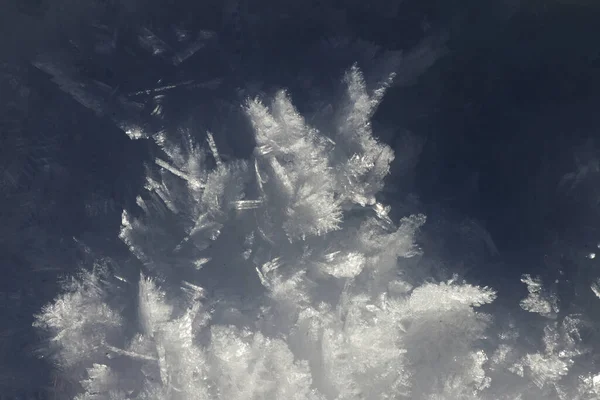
{"x": 306, "y": 295}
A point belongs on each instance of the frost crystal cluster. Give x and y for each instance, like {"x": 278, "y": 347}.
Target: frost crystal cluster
{"x": 283, "y": 277}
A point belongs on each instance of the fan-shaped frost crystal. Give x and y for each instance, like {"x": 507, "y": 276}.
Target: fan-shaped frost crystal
{"x": 301, "y": 181}
{"x": 538, "y": 300}
{"x": 80, "y": 320}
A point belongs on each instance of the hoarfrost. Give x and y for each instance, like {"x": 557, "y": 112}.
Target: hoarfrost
{"x": 284, "y": 277}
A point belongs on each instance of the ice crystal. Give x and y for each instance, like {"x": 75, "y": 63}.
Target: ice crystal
{"x": 285, "y": 277}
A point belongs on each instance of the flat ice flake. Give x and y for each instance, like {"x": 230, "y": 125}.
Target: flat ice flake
{"x": 79, "y": 91}
{"x": 382, "y": 213}
{"x": 195, "y": 291}
{"x": 173, "y": 170}
{"x": 162, "y": 192}
{"x": 271, "y": 266}
{"x": 200, "y": 262}
{"x": 122, "y": 279}
{"x": 192, "y": 48}
{"x": 341, "y": 265}
{"x": 596, "y": 288}
{"x": 131, "y": 354}
{"x": 135, "y": 132}
{"x": 247, "y": 204}
{"x": 213, "y": 148}
{"x": 162, "y": 88}
{"x": 152, "y": 43}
